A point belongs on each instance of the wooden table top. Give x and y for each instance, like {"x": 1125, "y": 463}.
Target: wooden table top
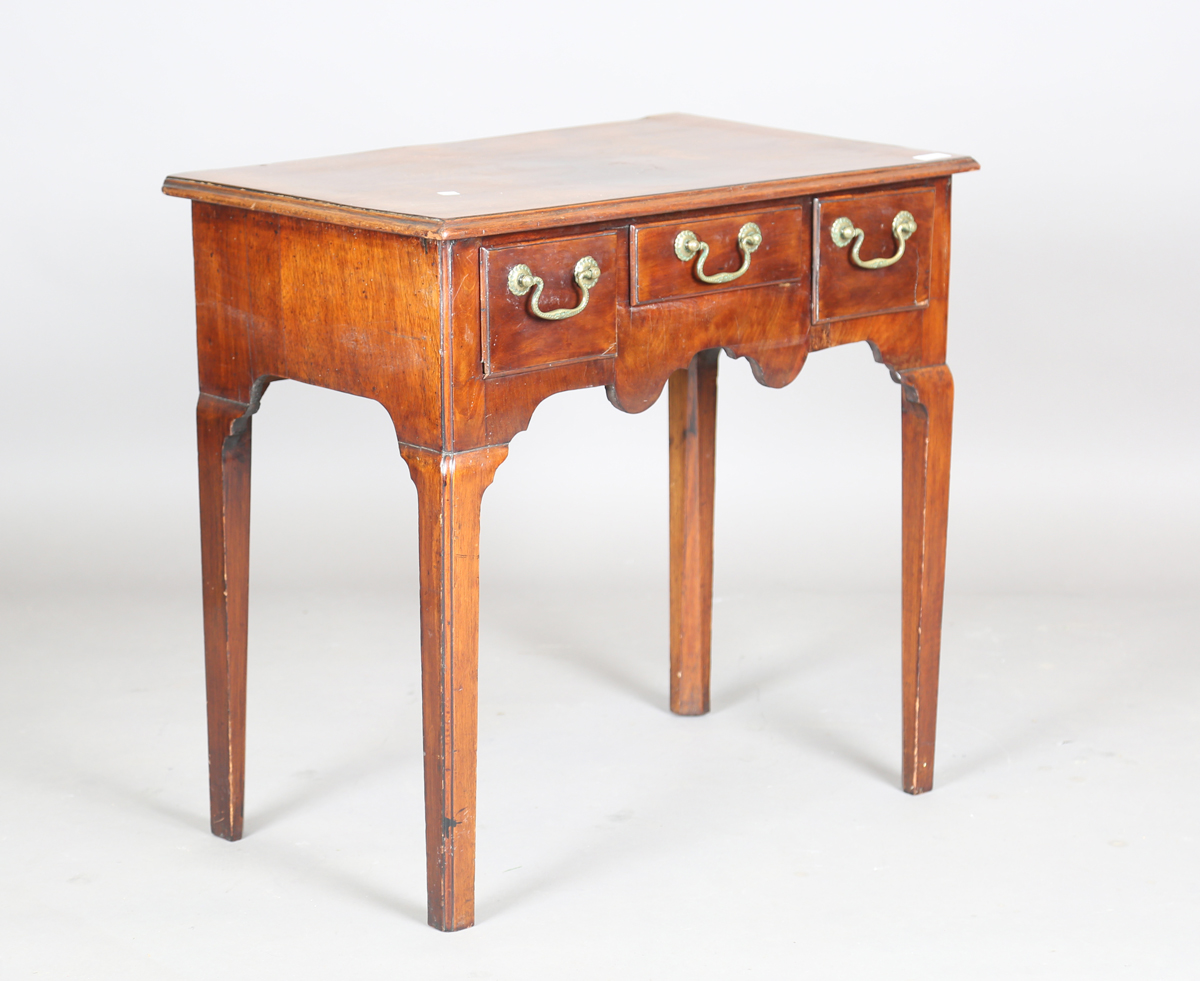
{"x": 559, "y": 177}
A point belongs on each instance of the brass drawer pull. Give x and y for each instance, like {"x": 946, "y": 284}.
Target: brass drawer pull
{"x": 687, "y": 245}
{"x": 843, "y": 233}
{"x": 521, "y": 280}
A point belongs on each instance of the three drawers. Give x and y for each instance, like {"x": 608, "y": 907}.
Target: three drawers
{"x": 555, "y": 302}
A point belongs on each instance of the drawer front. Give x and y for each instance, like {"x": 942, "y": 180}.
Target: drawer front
{"x": 515, "y": 338}
{"x": 841, "y": 287}
{"x": 660, "y": 274}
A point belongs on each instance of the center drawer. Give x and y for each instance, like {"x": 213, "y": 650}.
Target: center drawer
{"x": 690, "y": 256}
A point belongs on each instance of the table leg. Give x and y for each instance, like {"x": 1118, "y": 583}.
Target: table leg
{"x": 223, "y": 431}
{"x": 693, "y": 433}
{"x": 450, "y": 488}
{"x": 928, "y": 403}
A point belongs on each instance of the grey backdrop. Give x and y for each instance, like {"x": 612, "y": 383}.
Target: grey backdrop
{"x": 1074, "y": 334}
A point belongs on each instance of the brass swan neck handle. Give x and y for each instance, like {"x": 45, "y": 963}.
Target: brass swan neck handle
{"x": 843, "y": 232}
{"x": 688, "y": 245}
{"x": 521, "y": 280}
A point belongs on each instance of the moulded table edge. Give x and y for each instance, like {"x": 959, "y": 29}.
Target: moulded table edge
{"x": 501, "y": 223}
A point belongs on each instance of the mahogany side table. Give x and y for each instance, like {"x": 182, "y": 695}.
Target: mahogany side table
{"x": 461, "y": 284}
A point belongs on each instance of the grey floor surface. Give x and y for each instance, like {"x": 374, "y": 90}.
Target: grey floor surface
{"x": 768, "y": 839}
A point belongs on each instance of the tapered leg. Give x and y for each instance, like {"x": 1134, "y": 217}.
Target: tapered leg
{"x": 928, "y": 405}
{"x": 450, "y": 487}
{"x": 693, "y": 432}
{"x": 223, "y": 430}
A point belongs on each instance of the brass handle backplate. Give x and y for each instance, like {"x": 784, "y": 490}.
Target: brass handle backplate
{"x": 521, "y": 280}
{"x": 688, "y": 245}
{"x": 843, "y": 233}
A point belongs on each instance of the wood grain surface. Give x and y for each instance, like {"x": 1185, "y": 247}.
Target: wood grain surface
{"x": 558, "y": 177}
{"x": 692, "y": 442}
{"x": 223, "y": 443}
{"x": 450, "y": 488}
{"x": 928, "y": 407}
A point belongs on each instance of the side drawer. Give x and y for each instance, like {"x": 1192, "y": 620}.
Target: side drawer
{"x": 841, "y": 287}
{"x": 660, "y": 273}
{"x": 515, "y": 337}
